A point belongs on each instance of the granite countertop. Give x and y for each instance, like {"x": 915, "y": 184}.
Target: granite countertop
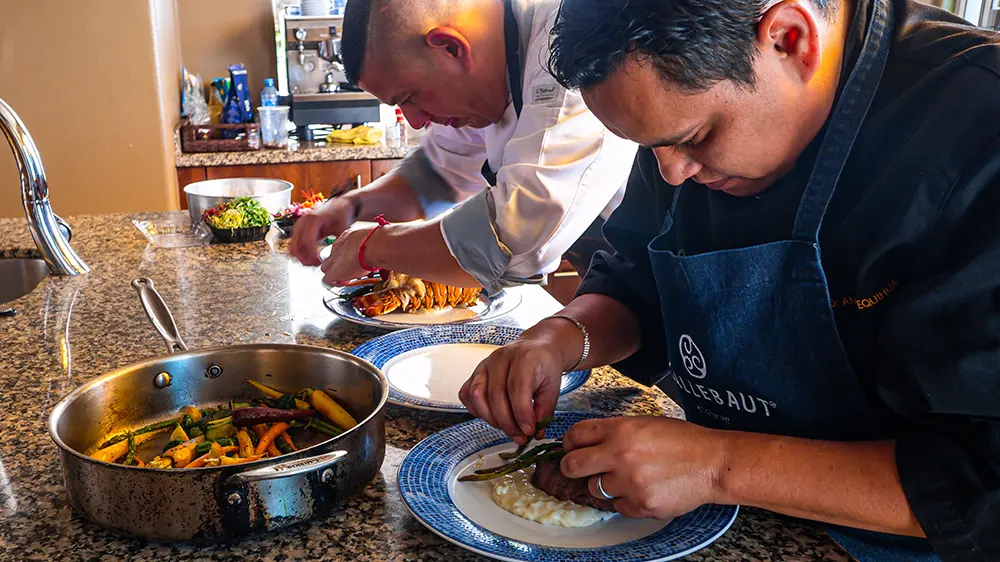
{"x": 306, "y": 151}
{"x": 70, "y": 330}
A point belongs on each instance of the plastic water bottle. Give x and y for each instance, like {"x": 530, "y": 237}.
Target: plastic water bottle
{"x": 269, "y": 95}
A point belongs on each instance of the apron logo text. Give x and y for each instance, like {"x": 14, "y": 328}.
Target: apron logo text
{"x": 733, "y": 400}
{"x": 692, "y": 358}
{"x": 867, "y": 302}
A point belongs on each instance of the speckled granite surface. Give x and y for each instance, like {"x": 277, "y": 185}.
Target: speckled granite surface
{"x": 305, "y": 152}
{"x": 70, "y": 330}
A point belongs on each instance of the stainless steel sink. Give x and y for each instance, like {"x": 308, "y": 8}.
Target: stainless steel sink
{"x": 18, "y": 277}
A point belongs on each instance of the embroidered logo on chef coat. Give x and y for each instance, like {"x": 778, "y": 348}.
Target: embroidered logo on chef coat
{"x": 691, "y": 357}
{"x": 545, "y": 94}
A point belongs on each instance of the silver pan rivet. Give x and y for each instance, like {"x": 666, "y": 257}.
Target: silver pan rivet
{"x": 162, "y": 380}
{"x": 234, "y": 498}
{"x": 326, "y": 476}
{"x": 213, "y": 371}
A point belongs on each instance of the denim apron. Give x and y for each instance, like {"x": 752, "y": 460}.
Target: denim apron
{"x": 751, "y": 336}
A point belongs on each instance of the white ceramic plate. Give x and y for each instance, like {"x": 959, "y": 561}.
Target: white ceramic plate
{"x": 464, "y": 513}
{"x": 427, "y": 366}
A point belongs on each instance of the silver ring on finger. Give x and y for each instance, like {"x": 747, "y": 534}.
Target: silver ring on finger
{"x": 600, "y": 488}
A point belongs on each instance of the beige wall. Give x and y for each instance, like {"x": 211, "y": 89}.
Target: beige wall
{"x": 215, "y": 34}
{"x": 96, "y": 82}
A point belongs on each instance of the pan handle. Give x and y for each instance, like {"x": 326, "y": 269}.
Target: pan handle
{"x": 288, "y": 469}
{"x": 159, "y": 314}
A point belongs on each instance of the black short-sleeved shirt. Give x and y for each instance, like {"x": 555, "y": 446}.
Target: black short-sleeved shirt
{"x": 911, "y": 249}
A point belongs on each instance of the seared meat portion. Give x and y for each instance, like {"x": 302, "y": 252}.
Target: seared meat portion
{"x": 549, "y": 479}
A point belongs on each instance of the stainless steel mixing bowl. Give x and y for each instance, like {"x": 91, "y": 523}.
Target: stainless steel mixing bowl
{"x": 274, "y": 195}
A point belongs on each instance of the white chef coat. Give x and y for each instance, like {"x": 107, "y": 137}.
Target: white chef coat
{"x": 558, "y": 169}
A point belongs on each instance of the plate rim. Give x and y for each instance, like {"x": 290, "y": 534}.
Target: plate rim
{"x": 580, "y": 377}
{"x": 511, "y": 300}
{"x": 586, "y": 553}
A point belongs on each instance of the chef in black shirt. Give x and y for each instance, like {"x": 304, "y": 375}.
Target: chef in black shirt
{"x": 807, "y": 260}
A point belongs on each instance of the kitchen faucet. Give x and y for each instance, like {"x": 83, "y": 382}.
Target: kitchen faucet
{"x": 51, "y": 233}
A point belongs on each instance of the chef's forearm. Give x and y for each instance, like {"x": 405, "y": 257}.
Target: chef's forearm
{"x": 418, "y": 250}
{"x": 391, "y": 195}
{"x": 854, "y": 484}
{"x": 612, "y": 328}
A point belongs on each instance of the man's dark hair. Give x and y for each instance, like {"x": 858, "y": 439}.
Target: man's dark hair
{"x": 354, "y": 37}
{"x": 692, "y": 43}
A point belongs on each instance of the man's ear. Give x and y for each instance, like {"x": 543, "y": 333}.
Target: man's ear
{"x": 450, "y": 43}
{"x": 790, "y": 31}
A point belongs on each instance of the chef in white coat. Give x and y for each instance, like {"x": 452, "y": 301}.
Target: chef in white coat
{"x": 513, "y": 172}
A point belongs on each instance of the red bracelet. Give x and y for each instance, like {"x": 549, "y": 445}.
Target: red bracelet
{"x": 361, "y": 251}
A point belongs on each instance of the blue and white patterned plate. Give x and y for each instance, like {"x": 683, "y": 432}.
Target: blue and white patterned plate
{"x": 427, "y": 481}
{"x": 438, "y": 361}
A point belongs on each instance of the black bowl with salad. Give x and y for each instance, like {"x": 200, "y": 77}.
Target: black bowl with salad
{"x": 242, "y": 219}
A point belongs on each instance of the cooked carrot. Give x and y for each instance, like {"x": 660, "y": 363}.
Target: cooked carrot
{"x": 273, "y": 393}
{"x": 217, "y": 452}
{"x": 118, "y": 450}
{"x": 181, "y": 454}
{"x": 226, "y": 461}
{"x": 288, "y": 441}
{"x": 138, "y": 461}
{"x": 246, "y": 445}
{"x": 269, "y": 437}
{"x": 261, "y": 429}
{"x": 333, "y": 411}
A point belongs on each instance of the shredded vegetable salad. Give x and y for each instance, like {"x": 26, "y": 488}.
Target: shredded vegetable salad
{"x": 241, "y": 212}
{"x": 296, "y": 210}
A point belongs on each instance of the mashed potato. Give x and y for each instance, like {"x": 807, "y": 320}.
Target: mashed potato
{"x": 514, "y": 493}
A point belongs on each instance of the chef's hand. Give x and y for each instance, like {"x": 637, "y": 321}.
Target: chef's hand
{"x": 330, "y": 219}
{"x": 656, "y": 467}
{"x": 503, "y": 386}
{"x": 342, "y": 266}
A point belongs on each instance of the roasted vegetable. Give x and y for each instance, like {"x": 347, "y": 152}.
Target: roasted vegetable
{"x": 160, "y": 462}
{"x": 246, "y": 444}
{"x": 121, "y": 448}
{"x": 539, "y": 427}
{"x": 183, "y": 453}
{"x": 220, "y": 428}
{"x": 547, "y": 451}
{"x": 171, "y": 445}
{"x": 323, "y": 427}
{"x": 131, "y": 450}
{"x": 152, "y": 428}
{"x": 287, "y": 439}
{"x": 269, "y": 437}
{"x": 225, "y": 461}
{"x": 246, "y": 417}
{"x": 178, "y": 434}
{"x": 274, "y": 394}
{"x": 261, "y": 430}
{"x": 216, "y": 452}
{"x": 191, "y": 412}
{"x": 333, "y": 411}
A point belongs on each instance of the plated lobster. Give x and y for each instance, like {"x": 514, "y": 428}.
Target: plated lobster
{"x": 397, "y": 291}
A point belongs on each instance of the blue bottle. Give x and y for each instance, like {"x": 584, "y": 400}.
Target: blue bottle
{"x": 269, "y": 95}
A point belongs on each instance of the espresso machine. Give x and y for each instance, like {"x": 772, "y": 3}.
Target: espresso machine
{"x": 311, "y": 73}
